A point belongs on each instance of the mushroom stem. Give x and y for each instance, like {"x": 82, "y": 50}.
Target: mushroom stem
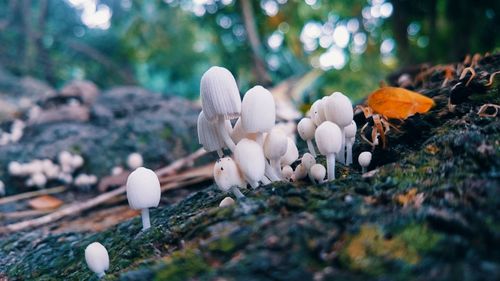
{"x": 310, "y": 146}
{"x": 265, "y": 180}
{"x": 363, "y": 170}
{"x": 101, "y": 275}
{"x": 330, "y": 162}
{"x": 341, "y": 154}
{"x": 253, "y": 184}
{"x": 349, "y": 153}
{"x": 275, "y": 165}
{"x": 237, "y": 192}
{"x": 270, "y": 173}
{"x": 145, "y": 219}
{"x": 221, "y": 129}
{"x": 220, "y": 153}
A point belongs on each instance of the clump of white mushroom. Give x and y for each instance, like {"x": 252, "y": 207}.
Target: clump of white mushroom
{"x": 15, "y": 134}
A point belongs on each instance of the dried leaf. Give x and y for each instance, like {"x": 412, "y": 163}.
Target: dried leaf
{"x": 411, "y": 197}
{"x": 45, "y": 202}
{"x": 398, "y": 103}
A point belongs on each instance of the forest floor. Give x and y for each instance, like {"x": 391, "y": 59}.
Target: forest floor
{"x": 428, "y": 210}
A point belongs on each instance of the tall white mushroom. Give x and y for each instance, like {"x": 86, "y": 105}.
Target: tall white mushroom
{"x": 350, "y": 134}
{"x": 275, "y": 147}
{"x": 208, "y": 135}
{"x": 306, "y": 128}
{"x": 329, "y": 140}
{"x": 97, "y": 258}
{"x": 143, "y": 192}
{"x": 364, "y": 160}
{"x": 338, "y": 109}
{"x": 250, "y": 158}
{"x": 227, "y": 176}
{"x": 220, "y": 99}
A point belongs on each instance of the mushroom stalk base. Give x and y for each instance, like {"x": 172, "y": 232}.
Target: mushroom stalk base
{"x": 270, "y": 172}
{"x": 265, "y": 180}
{"x": 221, "y": 129}
{"x": 310, "y": 146}
{"x": 330, "y": 162}
{"x": 341, "y": 154}
{"x": 101, "y": 275}
{"x": 220, "y": 153}
{"x": 145, "y": 219}
{"x": 363, "y": 170}
{"x": 237, "y": 192}
{"x": 349, "y": 153}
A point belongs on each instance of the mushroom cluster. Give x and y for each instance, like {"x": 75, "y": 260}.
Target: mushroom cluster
{"x": 15, "y": 134}
{"x": 259, "y": 147}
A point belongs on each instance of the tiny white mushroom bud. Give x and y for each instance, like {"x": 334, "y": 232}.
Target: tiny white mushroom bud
{"x": 65, "y": 158}
{"x": 39, "y": 180}
{"x": 317, "y": 173}
{"x": 15, "y": 168}
{"x": 228, "y": 177}
{"x": 134, "y": 161}
{"x": 77, "y": 161}
{"x": 250, "y": 158}
{"x": 2, "y": 189}
{"x": 97, "y": 258}
{"x": 226, "y": 202}
{"x": 308, "y": 160}
{"x": 208, "y": 135}
{"x": 364, "y": 160}
{"x": 350, "y": 134}
{"x": 329, "y": 140}
{"x": 292, "y": 153}
{"x": 116, "y": 170}
{"x": 220, "y": 100}
{"x": 275, "y": 147}
{"x": 306, "y": 128}
{"x": 287, "y": 173}
{"x": 143, "y": 192}
{"x": 300, "y": 172}
{"x": 338, "y": 109}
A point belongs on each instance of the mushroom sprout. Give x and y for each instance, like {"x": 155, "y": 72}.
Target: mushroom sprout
{"x": 143, "y": 192}
{"x": 364, "y": 160}
{"x": 227, "y": 176}
{"x": 329, "y": 140}
{"x": 350, "y": 135}
{"x": 306, "y": 128}
{"x": 97, "y": 258}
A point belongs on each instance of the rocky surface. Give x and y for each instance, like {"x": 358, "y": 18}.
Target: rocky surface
{"x": 429, "y": 211}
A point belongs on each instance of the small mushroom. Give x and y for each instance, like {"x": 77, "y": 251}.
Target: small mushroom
{"x": 15, "y": 168}
{"x": 227, "y": 176}
{"x": 220, "y": 100}
{"x": 226, "y": 202}
{"x": 317, "y": 173}
{"x": 2, "y": 189}
{"x": 308, "y": 161}
{"x": 300, "y": 172}
{"x": 77, "y": 161}
{"x": 39, "y": 180}
{"x": 329, "y": 140}
{"x": 292, "y": 153}
{"x": 350, "y": 134}
{"x": 143, "y": 192}
{"x": 317, "y": 112}
{"x": 250, "y": 158}
{"x": 287, "y": 173}
{"x": 134, "y": 161}
{"x": 338, "y": 109}
{"x": 275, "y": 147}
{"x": 97, "y": 258}
{"x": 208, "y": 135}
{"x": 306, "y": 128}
{"x": 364, "y": 160}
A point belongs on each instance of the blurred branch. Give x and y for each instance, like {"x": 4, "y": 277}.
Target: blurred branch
{"x": 255, "y": 44}
{"x": 101, "y": 58}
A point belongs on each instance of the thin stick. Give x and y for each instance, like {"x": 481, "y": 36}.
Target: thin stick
{"x": 180, "y": 163}
{"x": 26, "y": 195}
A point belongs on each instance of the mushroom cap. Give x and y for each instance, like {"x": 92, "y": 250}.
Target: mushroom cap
{"x": 227, "y": 174}
{"x": 318, "y": 172}
{"x": 338, "y": 109}
{"x": 134, "y": 160}
{"x": 15, "y": 168}
{"x": 258, "y": 111}
{"x": 39, "y": 179}
{"x": 208, "y": 135}
{"x": 226, "y": 202}
{"x": 276, "y": 144}
{"x": 308, "y": 160}
{"x": 317, "y": 112}
{"x": 287, "y": 172}
{"x": 77, "y": 161}
{"x": 328, "y": 138}
{"x": 250, "y": 158}
{"x": 365, "y": 158}
{"x": 143, "y": 189}
{"x": 350, "y": 130}
{"x": 65, "y": 158}
{"x": 238, "y": 132}
{"x": 300, "y": 172}
{"x": 292, "y": 153}
{"x": 306, "y": 128}
{"x": 219, "y": 93}
{"x": 97, "y": 258}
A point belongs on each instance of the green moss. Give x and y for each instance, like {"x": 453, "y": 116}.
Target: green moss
{"x": 166, "y": 133}
{"x": 182, "y": 265}
{"x": 224, "y": 245}
{"x": 419, "y": 237}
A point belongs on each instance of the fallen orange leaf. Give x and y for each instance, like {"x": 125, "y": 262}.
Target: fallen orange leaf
{"x": 45, "y": 202}
{"x": 398, "y": 103}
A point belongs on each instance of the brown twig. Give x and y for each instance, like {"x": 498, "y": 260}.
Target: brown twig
{"x": 26, "y": 195}
{"x": 180, "y": 163}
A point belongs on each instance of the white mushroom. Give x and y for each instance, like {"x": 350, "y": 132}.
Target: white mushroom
{"x": 292, "y": 153}
{"x": 2, "y": 189}
{"x": 15, "y": 168}
{"x": 226, "y": 202}
{"x": 317, "y": 113}
{"x": 143, "y": 192}
{"x": 77, "y": 161}
{"x": 275, "y": 147}
{"x": 306, "y": 128}
{"x": 329, "y": 140}
{"x": 300, "y": 172}
{"x": 350, "y": 134}
{"x": 39, "y": 180}
{"x": 308, "y": 161}
{"x": 250, "y": 158}
{"x": 338, "y": 109}
{"x": 208, "y": 135}
{"x": 287, "y": 173}
{"x": 97, "y": 258}
{"x": 238, "y": 133}
{"x": 116, "y": 170}
{"x": 134, "y": 161}
{"x": 220, "y": 99}
{"x": 227, "y": 176}
{"x": 317, "y": 173}
{"x": 364, "y": 160}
